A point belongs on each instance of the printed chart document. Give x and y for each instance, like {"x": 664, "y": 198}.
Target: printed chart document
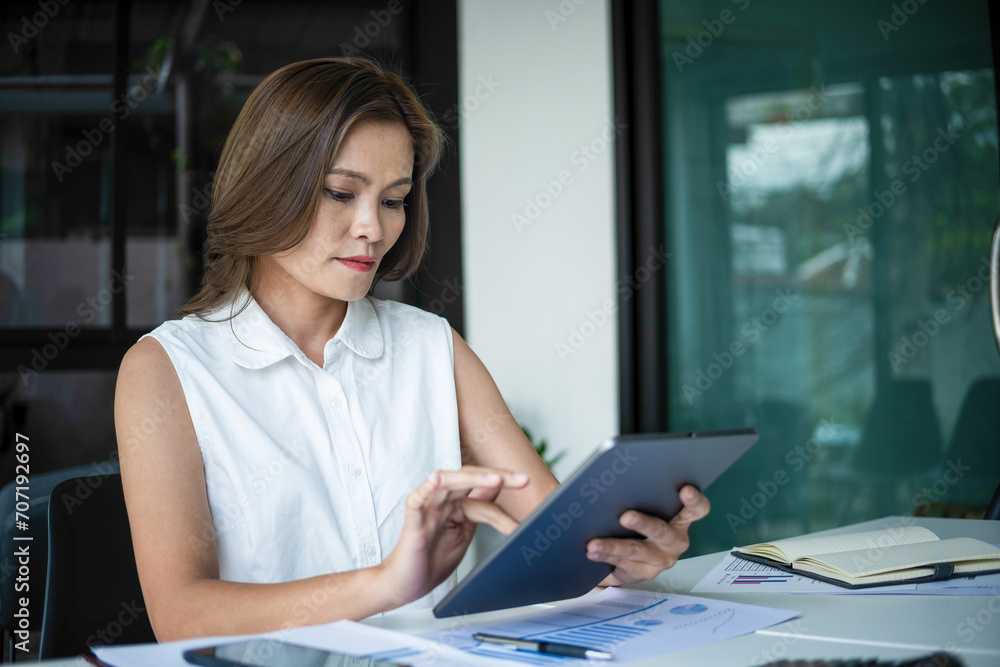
{"x": 634, "y": 625}
{"x": 735, "y": 575}
{"x": 348, "y": 637}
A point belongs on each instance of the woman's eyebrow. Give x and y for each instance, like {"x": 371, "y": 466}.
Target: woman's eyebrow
{"x": 349, "y": 173}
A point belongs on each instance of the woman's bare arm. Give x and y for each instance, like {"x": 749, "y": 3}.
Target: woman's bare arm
{"x": 491, "y": 437}
{"x": 172, "y": 530}
{"x": 174, "y": 540}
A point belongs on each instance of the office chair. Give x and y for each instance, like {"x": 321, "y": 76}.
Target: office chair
{"x": 39, "y": 491}
{"x": 92, "y": 593}
{"x": 977, "y": 427}
{"x": 782, "y": 425}
{"x": 901, "y": 439}
{"x": 993, "y": 509}
{"x": 901, "y": 432}
{"x": 974, "y": 440}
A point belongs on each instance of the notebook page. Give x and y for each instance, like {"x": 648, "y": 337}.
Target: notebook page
{"x": 874, "y": 539}
{"x": 876, "y": 561}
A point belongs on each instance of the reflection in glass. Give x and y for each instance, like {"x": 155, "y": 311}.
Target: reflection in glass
{"x": 830, "y": 202}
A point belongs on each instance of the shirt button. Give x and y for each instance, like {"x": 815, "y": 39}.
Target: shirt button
{"x": 370, "y": 551}
{"x": 355, "y": 471}
{"x": 336, "y": 403}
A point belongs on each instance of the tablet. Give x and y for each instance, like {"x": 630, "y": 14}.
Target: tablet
{"x": 545, "y": 558}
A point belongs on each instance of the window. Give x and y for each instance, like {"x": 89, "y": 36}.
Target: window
{"x": 829, "y": 188}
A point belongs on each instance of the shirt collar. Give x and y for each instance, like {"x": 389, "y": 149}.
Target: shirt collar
{"x": 361, "y": 331}
{"x": 254, "y": 341}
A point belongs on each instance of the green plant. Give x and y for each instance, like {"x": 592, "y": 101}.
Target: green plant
{"x": 541, "y": 447}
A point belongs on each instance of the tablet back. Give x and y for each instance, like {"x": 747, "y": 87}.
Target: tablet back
{"x": 544, "y": 559}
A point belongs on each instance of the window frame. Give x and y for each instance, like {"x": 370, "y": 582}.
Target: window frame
{"x": 642, "y": 319}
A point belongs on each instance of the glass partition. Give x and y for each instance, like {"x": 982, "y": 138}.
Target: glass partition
{"x": 831, "y": 188}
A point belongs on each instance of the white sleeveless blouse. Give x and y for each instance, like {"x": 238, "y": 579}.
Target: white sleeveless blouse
{"x": 308, "y": 468}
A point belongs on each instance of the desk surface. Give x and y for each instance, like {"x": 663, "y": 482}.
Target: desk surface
{"x": 891, "y": 627}
{"x": 829, "y": 626}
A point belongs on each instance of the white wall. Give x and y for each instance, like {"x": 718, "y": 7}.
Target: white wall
{"x": 536, "y": 90}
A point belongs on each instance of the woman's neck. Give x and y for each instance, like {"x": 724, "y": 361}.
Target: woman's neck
{"x": 309, "y": 319}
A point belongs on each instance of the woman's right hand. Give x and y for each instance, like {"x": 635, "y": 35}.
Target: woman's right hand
{"x": 441, "y": 518}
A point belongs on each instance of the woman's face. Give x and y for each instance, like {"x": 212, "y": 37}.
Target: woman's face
{"x": 360, "y": 215}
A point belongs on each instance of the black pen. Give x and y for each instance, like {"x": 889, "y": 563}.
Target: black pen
{"x": 552, "y": 648}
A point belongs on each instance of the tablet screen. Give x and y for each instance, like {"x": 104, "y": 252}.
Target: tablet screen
{"x": 544, "y": 559}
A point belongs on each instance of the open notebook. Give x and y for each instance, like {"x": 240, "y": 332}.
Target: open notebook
{"x": 877, "y": 558}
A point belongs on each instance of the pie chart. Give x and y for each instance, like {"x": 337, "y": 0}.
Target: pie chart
{"x": 687, "y": 609}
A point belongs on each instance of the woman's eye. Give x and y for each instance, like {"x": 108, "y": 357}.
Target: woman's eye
{"x": 394, "y": 203}
{"x": 339, "y": 196}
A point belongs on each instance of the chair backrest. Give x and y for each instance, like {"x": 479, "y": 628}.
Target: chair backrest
{"x": 92, "y": 593}
{"x": 976, "y": 437}
{"x": 901, "y": 434}
{"x": 39, "y": 490}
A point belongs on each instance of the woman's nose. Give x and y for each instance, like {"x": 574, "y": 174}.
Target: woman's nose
{"x": 367, "y": 224}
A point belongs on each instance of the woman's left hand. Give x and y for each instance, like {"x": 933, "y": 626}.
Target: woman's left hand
{"x": 665, "y": 541}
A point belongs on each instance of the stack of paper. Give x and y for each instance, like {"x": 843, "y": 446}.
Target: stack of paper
{"x": 634, "y": 625}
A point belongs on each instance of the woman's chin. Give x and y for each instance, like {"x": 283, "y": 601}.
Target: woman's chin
{"x": 352, "y": 294}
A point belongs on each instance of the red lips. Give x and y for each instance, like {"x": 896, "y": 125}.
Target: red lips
{"x": 358, "y": 263}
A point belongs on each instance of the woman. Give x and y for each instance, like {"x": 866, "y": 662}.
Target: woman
{"x": 286, "y": 420}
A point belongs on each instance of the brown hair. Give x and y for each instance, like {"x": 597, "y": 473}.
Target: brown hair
{"x": 270, "y": 177}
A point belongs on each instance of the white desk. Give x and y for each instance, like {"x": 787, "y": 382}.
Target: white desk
{"x": 891, "y": 627}
{"x": 830, "y": 626}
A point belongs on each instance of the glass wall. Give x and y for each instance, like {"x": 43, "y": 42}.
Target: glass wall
{"x": 831, "y": 188}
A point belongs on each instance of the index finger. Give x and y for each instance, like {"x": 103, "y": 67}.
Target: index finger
{"x": 696, "y": 506}
{"x": 471, "y": 480}
{"x": 471, "y": 477}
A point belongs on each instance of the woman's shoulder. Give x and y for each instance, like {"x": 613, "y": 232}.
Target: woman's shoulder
{"x": 146, "y": 364}
{"x": 187, "y": 323}
{"x": 402, "y": 324}
{"x": 187, "y": 327}
{"x": 193, "y": 337}
{"x": 398, "y": 313}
